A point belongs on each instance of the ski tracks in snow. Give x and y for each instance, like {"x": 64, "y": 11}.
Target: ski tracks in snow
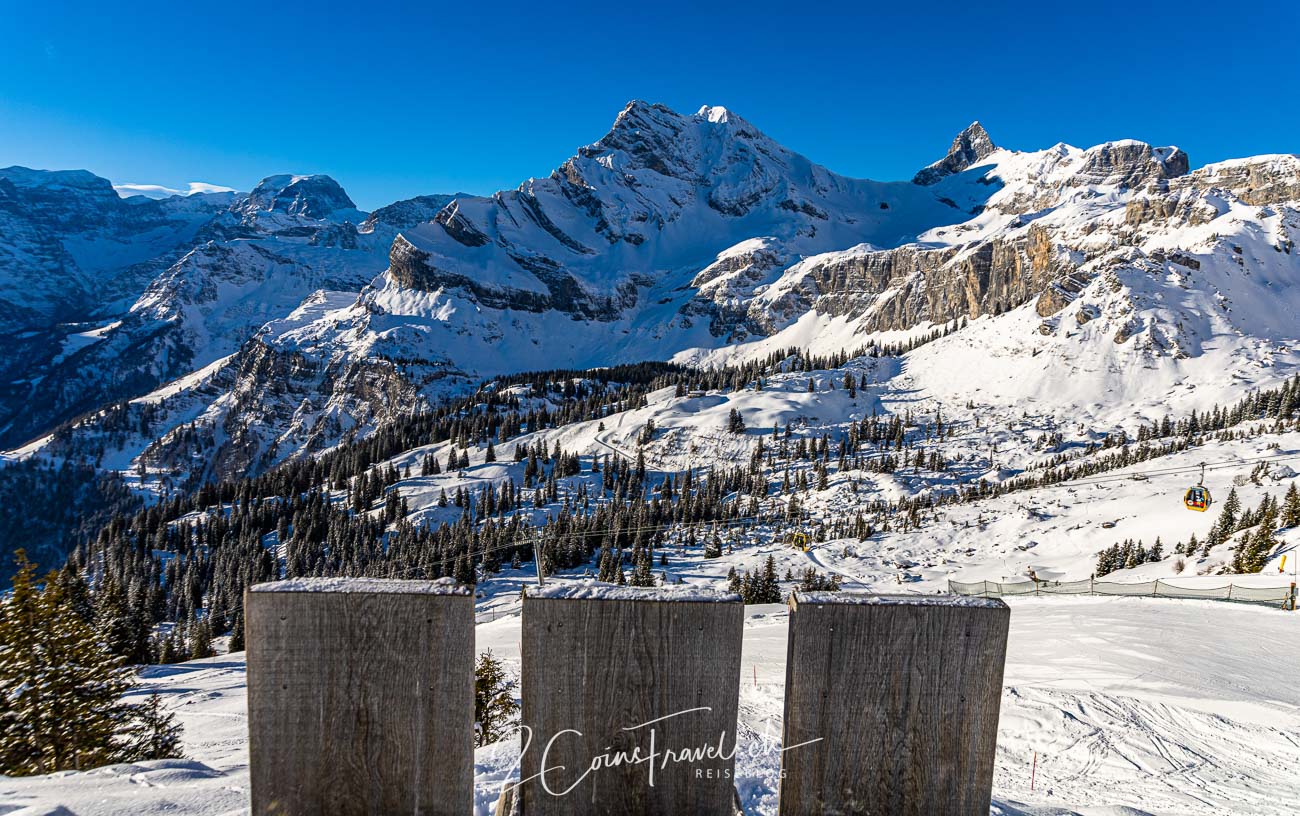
{"x": 1182, "y": 760}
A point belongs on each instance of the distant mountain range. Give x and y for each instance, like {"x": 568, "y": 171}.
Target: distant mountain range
{"x": 220, "y": 333}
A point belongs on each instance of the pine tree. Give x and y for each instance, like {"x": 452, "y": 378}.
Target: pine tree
{"x": 1291, "y": 507}
{"x": 200, "y": 638}
{"x": 642, "y": 575}
{"x": 76, "y": 593}
{"x": 1228, "y": 517}
{"x": 1253, "y": 550}
{"x": 494, "y": 701}
{"x": 155, "y": 734}
{"x": 60, "y": 686}
{"x": 1108, "y": 560}
{"x": 713, "y": 547}
{"x": 121, "y": 628}
{"x": 237, "y": 632}
{"x": 735, "y": 422}
{"x": 769, "y": 586}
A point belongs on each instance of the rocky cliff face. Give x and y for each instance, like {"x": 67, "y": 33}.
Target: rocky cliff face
{"x": 1259, "y": 180}
{"x": 905, "y": 287}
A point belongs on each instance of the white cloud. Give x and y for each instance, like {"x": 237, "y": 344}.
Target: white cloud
{"x": 159, "y": 191}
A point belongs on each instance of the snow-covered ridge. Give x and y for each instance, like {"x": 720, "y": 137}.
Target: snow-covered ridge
{"x": 169, "y": 285}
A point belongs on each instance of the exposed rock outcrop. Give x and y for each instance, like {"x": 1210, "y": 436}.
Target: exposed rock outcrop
{"x": 1130, "y": 164}
{"x": 970, "y": 146}
{"x": 408, "y": 212}
{"x": 1259, "y": 180}
{"x": 904, "y": 287}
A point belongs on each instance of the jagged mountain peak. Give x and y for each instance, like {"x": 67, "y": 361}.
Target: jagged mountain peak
{"x": 973, "y": 144}
{"x": 313, "y": 196}
{"x": 655, "y": 136}
{"x": 717, "y": 113}
{"x": 410, "y": 212}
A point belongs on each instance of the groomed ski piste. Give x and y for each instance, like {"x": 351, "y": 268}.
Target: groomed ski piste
{"x": 1133, "y": 706}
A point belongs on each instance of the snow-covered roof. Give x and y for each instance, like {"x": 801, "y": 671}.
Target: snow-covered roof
{"x": 442, "y": 586}
{"x": 872, "y": 599}
{"x": 603, "y": 591}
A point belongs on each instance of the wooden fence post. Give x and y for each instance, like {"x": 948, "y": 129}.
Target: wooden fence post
{"x": 891, "y": 704}
{"x": 360, "y": 697}
{"x": 620, "y": 674}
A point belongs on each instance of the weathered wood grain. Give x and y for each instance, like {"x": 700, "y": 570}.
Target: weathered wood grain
{"x": 593, "y": 668}
{"x": 360, "y": 702}
{"x": 901, "y": 698}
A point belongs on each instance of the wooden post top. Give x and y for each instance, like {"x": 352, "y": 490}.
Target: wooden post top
{"x": 367, "y": 586}
{"x": 870, "y": 599}
{"x": 603, "y": 591}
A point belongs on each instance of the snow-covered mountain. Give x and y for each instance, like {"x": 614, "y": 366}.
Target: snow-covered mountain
{"x": 1110, "y": 273}
{"x": 70, "y": 242}
{"x": 105, "y": 298}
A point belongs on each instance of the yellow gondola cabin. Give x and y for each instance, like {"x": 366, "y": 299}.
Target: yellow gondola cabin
{"x": 1197, "y": 498}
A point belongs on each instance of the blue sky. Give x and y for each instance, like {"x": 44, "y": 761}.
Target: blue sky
{"x": 397, "y": 100}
